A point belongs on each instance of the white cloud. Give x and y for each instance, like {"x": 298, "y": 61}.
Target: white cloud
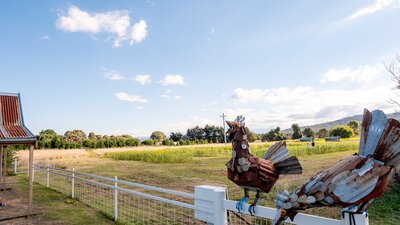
{"x": 173, "y": 79}
{"x": 375, "y": 7}
{"x": 130, "y": 98}
{"x": 365, "y": 73}
{"x": 45, "y": 37}
{"x": 142, "y": 79}
{"x": 117, "y": 23}
{"x": 139, "y": 32}
{"x": 274, "y": 95}
{"x": 193, "y": 121}
{"x": 169, "y": 97}
{"x": 307, "y": 105}
{"x": 113, "y": 75}
{"x": 212, "y": 31}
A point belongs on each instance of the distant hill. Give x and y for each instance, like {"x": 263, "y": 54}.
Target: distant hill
{"x": 340, "y": 122}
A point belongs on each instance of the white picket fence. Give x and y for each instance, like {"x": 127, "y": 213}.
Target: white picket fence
{"x": 134, "y": 203}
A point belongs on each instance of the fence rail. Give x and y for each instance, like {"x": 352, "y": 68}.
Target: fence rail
{"x": 135, "y": 203}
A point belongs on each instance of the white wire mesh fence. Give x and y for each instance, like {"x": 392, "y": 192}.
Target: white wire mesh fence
{"x": 134, "y": 203}
{"x": 129, "y": 203}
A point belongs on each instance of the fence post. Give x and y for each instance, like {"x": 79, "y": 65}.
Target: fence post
{"x": 33, "y": 172}
{"x": 73, "y": 184}
{"x": 115, "y": 199}
{"x": 359, "y": 219}
{"x": 48, "y": 176}
{"x": 15, "y": 165}
{"x": 211, "y": 198}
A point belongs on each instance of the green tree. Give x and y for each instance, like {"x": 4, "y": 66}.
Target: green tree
{"x": 323, "y": 132}
{"x": 158, "y": 136}
{"x": 354, "y": 125}
{"x": 308, "y": 132}
{"x": 342, "y": 131}
{"x": 92, "y": 136}
{"x": 175, "y": 136}
{"x": 296, "y": 131}
{"x": 74, "y": 136}
{"x": 148, "y": 142}
{"x": 46, "y": 137}
{"x": 273, "y": 135}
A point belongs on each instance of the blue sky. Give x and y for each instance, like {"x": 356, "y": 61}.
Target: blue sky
{"x": 137, "y": 66}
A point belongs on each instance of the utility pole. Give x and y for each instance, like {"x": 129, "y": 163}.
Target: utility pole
{"x": 223, "y": 121}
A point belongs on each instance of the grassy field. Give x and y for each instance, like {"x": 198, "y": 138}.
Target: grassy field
{"x": 179, "y": 155}
{"x": 53, "y": 207}
{"x": 206, "y": 165}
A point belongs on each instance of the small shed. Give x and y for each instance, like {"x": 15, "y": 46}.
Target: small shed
{"x": 14, "y": 132}
{"x": 305, "y": 139}
{"x": 332, "y": 139}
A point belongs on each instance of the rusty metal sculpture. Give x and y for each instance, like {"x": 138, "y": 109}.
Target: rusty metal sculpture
{"x": 354, "y": 182}
{"x": 256, "y": 174}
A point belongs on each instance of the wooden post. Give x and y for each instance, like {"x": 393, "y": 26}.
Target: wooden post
{"x": 4, "y": 169}
{"x": 73, "y": 183}
{"x": 115, "y": 199}
{"x": 30, "y": 166}
{"x": 1, "y": 164}
{"x": 15, "y": 166}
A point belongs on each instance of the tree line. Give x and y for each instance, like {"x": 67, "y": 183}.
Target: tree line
{"x": 78, "y": 139}
{"x": 196, "y": 135}
{"x": 351, "y": 129}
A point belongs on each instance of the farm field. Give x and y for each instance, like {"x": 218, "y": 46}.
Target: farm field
{"x": 189, "y": 166}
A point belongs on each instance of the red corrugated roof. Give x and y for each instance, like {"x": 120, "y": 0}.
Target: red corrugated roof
{"x": 12, "y": 128}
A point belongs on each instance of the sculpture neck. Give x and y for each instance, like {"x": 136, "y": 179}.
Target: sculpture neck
{"x": 240, "y": 145}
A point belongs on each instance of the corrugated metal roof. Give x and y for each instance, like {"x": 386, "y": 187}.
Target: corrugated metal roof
{"x": 12, "y": 127}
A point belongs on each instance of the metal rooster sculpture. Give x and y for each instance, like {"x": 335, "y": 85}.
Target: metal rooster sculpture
{"x": 354, "y": 182}
{"x": 256, "y": 174}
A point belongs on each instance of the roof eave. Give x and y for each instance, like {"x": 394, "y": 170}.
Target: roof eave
{"x": 18, "y": 141}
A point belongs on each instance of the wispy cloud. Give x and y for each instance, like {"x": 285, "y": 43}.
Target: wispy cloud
{"x": 193, "y": 121}
{"x": 173, "y": 79}
{"x": 44, "y": 38}
{"x": 168, "y": 96}
{"x": 373, "y": 8}
{"x": 364, "y": 73}
{"x": 130, "y": 98}
{"x": 117, "y": 23}
{"x": 142, "y": 79}
{"x": 112, "y": 75}
{"x": 377, "y": 6}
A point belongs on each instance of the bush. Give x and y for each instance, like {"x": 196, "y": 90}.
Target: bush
{"x": 308, "y": 132}
{"x": 342, "y": 131}
{"x": 150, "y": 142}
{"x": 168, "y": 142}
{"x": 323, "y": 132}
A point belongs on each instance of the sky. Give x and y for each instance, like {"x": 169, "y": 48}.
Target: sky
{"x": 133, "y": 67}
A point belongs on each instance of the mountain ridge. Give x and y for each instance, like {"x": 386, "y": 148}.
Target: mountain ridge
{"x": 339, "y": 122}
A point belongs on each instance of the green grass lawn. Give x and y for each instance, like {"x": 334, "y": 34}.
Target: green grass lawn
{"x": 57, "y": 208}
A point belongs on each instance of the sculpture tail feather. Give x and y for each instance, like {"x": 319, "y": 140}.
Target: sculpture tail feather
{"x": 380, "y": 138}
{"x": 279, "y": 155}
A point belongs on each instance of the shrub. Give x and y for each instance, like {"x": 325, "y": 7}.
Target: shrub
{"x": 150, "y": 142}
{"x": 342, "y": 131}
